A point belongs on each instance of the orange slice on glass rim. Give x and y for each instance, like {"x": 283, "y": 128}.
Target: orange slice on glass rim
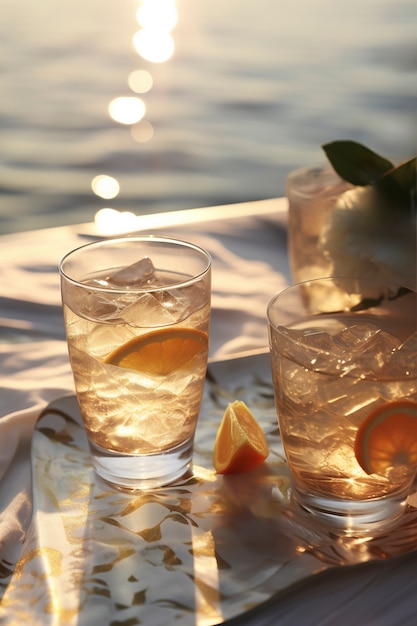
{"x": 240, "y": 444}
{"x": 162, "y": 351}
{"x": 388, "y": 437}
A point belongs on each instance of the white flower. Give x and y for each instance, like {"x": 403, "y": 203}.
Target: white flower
{"x": 362, "y": 238}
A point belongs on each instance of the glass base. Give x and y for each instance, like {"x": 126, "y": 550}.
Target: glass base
{"x": 139, "y": 472}
{"x": 351, "y": 516}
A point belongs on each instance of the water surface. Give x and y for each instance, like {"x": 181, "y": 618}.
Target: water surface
{"x": 252, "y": 90}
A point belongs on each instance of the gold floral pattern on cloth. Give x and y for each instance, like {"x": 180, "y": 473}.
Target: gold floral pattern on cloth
{"x": 197, "y": 553}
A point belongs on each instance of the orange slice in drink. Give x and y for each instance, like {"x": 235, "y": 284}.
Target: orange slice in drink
{"x": 240, "y": 443}
{"x": 162, "y": 351}
{"x": 388, "y": 438}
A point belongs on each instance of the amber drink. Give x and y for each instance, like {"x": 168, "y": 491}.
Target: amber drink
{"x": 345, "y": 385}
{"x": 312, "y": 194}
{"x": 137, "y": 316}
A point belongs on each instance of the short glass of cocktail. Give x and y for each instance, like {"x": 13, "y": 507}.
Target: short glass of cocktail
{"x": 137, "y": 313}
{"x": 345, "y": 385}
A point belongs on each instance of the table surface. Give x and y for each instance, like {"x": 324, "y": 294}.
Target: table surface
{"x": 248, "y": 244}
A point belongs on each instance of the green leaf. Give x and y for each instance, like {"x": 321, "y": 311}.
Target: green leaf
{"x": 399, "y": 183}
{"x": 405, "y": 174}
{"x": 355, "y": 163}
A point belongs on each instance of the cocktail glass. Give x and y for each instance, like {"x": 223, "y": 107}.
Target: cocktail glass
{"x": 312, "y": 193}
{"x": 137, "y": 314}
{"x": 345, "y": 385}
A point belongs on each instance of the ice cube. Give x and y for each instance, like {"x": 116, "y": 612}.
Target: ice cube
{"x": 408, "y": 349}
{"x": 103, "y": 339}
{"x": 287, "y": 340}
{"x": 97, "y": 307}
{"x": 317, "y": 339}
{"x": 289, "y": 343}
{"x": 352, "y": 336}
{"x": 372, "y": 356}
{"x": 149, "y": 310}
{"x": 180, "y": 302}
{"x": 403, "y": 360}
{"x": 345, "y": 397}
{"x": 298, "y": 385}
{"x": 138, "y": 274}
{"x": 314, "y": 349}
{"x": 103, "y": 308}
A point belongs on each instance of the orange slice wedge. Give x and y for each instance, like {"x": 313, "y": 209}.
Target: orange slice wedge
{"x": 162, "y": 351}
{"x": 240, "y": 444}
{"x": 388, "y": 437}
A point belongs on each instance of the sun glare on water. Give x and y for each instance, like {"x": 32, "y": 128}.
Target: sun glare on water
{"x": 127, "y": 110}
{"x": 153, "y": 41}
{"x": 157, "y": 14}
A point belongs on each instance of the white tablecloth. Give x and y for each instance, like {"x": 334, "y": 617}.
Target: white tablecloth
{"x": 248, "y": 246}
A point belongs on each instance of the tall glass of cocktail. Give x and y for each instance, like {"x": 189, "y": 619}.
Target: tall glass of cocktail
{"x": 136, "y": 314}
{"x": 345, "y": 384}
{"x": 312, "y": 194}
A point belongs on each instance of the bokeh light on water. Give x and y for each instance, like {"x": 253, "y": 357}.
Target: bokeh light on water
{"x": 105, "y": 186}
{"x": 140, "y": 81}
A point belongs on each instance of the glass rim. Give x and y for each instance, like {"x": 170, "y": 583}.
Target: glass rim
{"x": 149, "y": 238}
{"x": 309, "y": 180}
{"x": 319, "y": 166}
{"x": 396, "y": 288}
